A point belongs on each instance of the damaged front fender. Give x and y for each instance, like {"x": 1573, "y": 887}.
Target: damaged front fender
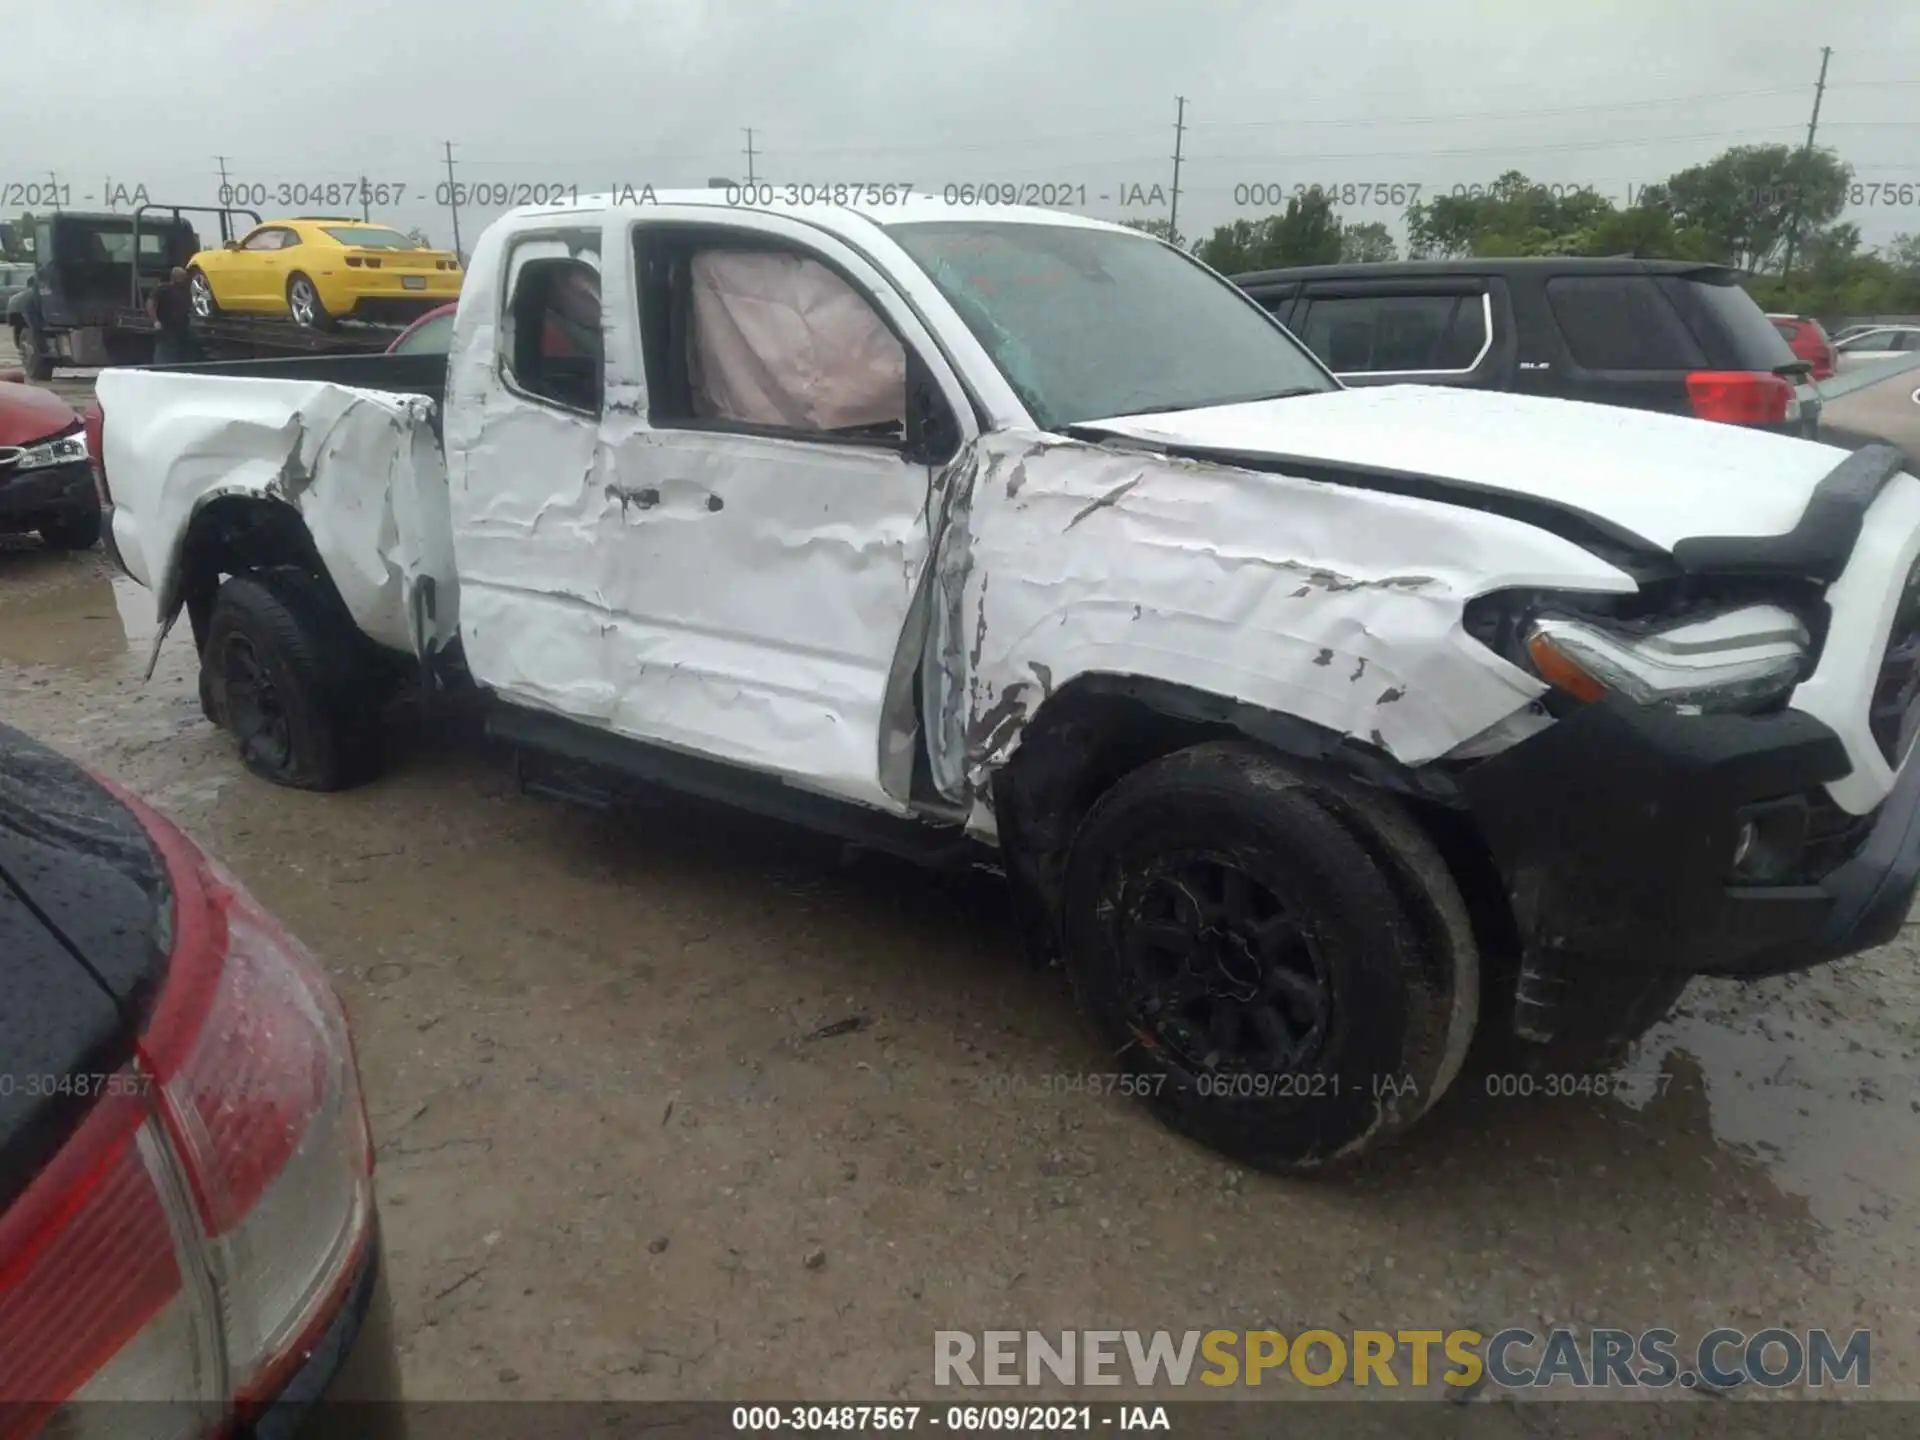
{"x": 1335, "y": 605}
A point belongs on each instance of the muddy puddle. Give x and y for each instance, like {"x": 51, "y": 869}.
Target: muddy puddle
{"x": 70, "y": 612}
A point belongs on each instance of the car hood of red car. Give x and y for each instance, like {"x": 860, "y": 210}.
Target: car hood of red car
{"x": 29, "y": 414}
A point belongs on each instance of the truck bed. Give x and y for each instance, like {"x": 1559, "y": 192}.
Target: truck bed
{"x": 261, "y": 336}
{"x": 391, "y": 374}
{"x": 344, "y": 446}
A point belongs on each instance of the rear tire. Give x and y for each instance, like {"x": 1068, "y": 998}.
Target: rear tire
{"x": 72, "y": 532}
{"x": 283, "y": 673}
{"x": 1279, "y": 959}
{"x": 200, "y": 295}
{"x": 303, "y": 304}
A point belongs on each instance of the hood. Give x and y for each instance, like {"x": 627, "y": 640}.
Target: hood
{"x": 29, "y": 414}
{"x": 1665, "y": 478}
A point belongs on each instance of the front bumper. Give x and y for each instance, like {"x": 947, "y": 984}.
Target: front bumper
{"x": 1615, "y": 831}
{"x": 27, "y": 496}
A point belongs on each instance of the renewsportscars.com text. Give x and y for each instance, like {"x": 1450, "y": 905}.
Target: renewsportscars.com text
{"x": 1514, "y": 1359}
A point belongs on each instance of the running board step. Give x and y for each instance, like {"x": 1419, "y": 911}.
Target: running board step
{"x": 566, "y": 760}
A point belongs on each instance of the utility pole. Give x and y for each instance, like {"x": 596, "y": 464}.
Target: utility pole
{"x": 226, "y": 200}
{"x": 750, "y": 153}
{"x": 365, "y": 190}
{"x": 1179, "y": 131}
{"x": 53, "y": 179}
{"x": 1793, "y": 225}
{"x": 453, "y": 204}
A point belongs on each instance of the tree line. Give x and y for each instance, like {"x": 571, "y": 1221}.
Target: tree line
{"x": 1771, "y": 211}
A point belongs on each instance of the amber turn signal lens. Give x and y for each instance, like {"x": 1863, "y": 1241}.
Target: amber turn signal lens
{"x": 1561, "y": 672}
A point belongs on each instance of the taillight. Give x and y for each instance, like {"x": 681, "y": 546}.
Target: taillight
{"x": 96, "y": 423}
{"x": 192, "y": 1240}
{"x": 264, "y": 1108}
{"x": 1740, "y": 397}
{"x": 90, "y": 1266}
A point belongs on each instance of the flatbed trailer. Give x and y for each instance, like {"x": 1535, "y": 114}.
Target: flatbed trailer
{"x": 265, "y": 337}
{"x": 260, "y": 337}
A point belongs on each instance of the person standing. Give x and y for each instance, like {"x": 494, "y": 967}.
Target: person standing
{"x": 171, "y": 308}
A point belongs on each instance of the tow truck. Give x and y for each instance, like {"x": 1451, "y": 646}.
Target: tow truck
{"x": 94, "y": 272}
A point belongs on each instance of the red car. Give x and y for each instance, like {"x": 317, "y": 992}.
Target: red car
{"x": 187, "y": 1214}
{"x": 46, "y": 483}
{"x": 1807, "y": 339}
{"x": 433, "y": 332}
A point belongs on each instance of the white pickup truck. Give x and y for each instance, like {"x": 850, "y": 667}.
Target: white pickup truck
{"x": 1314, "y": 727}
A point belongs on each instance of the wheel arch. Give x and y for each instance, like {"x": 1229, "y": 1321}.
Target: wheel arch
{"x": 1098, "y": 728}
{"x": 237, "y": 534}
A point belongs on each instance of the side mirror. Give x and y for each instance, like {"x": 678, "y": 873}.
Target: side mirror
{"x": 932, "y": 433}
{"x": 231, "y": 245}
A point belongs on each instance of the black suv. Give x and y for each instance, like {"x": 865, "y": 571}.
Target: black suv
{"x": 1664, "y": 335}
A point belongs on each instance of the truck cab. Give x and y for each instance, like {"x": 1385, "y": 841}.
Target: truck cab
{"x": 1317, "y": 729}
{"x": 92, "y": 273}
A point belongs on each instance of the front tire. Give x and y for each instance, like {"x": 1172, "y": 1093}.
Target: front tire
{"x": 1279, "y": 958}
{"x": 303, "y": 304}
{"x": 282, "y": 672}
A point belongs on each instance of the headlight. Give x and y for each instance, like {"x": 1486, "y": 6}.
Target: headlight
{"x": 65, "y": 450}
{"x": 1737, "y": 660}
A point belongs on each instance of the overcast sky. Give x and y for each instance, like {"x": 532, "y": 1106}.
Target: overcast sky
{"x": 1279, "y": 92}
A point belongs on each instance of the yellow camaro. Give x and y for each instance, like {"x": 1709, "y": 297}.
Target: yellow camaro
{"x": 318, "y": 270}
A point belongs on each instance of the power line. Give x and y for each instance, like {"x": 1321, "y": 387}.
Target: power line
{"x": 1027, "y": 141}
{"x": 1508, "y": 148}
{"x": 1027, "y": 145}
{"x": 1521, "y": 114}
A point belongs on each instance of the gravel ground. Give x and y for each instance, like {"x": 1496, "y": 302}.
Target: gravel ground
{"x": 627, "y": 1149}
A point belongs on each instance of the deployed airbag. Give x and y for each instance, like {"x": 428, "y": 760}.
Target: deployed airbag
{"x": 777, "y": 339}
